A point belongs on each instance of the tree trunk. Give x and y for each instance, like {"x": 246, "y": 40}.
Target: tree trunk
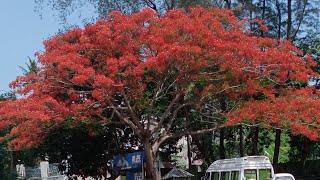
{"x": 241, "y": 141}
{"x": 278, "y": 131}
{"x": 263, "y": 15}
{"x": 306, "y": 144}
{"x": 151, "y": 170}
{"x": 12, "y": 168}
{"x": 276, "y": 150}
{"x": 255, "y": 139}
{"x": 188, "y": 140}
{"x": 228, "y": 4}
{"x": 204, "y": 153}
{"x": 300, "y": 19}
{"x": 221, "y": 144}
{"x": 279, "y": 19}
{"x": 289, "y": 25}
{"x": 189, "y": 153}
{"x": 251, "y": 15}
{"x": 223, "y": 107}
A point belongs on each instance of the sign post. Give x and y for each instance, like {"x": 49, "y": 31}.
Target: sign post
{"x": 142, "y": 170}
{"x": 130, "y": 166}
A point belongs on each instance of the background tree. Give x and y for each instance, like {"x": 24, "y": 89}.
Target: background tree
{"x": 7, "y": 169}
{"x": 91, "y": 146}
{"x": 8, "y": 155}
{"x": 103, "y": 7}
{"x": 31, "y": 67}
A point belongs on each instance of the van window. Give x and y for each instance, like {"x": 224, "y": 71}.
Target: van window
{"x": 225, "y": 175}
{"x": 215, "y": 176}
{"x": 234, "y": 175}
{"x": 207, "y": 176}
{"x": 284, "y": 178}
{"x": 264, "y": 174}
{"x": 250, "y": 174}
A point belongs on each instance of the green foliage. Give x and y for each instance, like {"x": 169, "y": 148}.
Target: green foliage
{"x": 303, "y": 149}
{"x": 92, "y": 146}
{"x": 4, "y": 162}
{"x": 6, "y": 96}
{"x": 314, "y": 49}
{"x": 31, "y": 67}
{"x": 5, "y": 173}
{"x": 267, "y": 147}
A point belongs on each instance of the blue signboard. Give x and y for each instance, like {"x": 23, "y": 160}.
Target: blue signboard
{"x": 130, "y": 165}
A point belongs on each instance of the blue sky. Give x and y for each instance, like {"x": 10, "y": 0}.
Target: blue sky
{"x": 22, "y": 33}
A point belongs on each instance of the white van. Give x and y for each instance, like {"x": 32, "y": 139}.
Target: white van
{"x": 283, "y": 176}
{"x": 245, "y": 168}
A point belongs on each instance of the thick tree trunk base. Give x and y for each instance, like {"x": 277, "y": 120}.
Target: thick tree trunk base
{"x": 151, "y": 172}
{"x": 255, "y": 140}
{"x": 276, "y": 150}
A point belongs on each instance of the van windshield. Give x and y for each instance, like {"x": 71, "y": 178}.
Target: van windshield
{"x": 284, "y": 178}
{"x": 265, "y": 174}
{"x": 250, "y": 174}
{"x": 253, "y": 174}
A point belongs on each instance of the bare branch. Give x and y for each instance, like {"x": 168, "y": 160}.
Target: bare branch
{"x": 230, "y": 87}
{"x": 300, "y": 20}
{"x": 168, "y": 88}
{"x": 166, "y": 112}
{"x": 169, "y": 136}
{"x": 210, "y": 117}
{"x": 167, "y": 4}
{"x": 228, "y": 4}
{"x": 173, "y": 117}
{"x": 154, "y": 99}
{"x": 135, "y": 119}
{"x": 129, "y": 123}
{"x": 151, "y": 4}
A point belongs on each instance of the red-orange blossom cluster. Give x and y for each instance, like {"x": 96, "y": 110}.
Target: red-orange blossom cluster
{"x": 205, "y": 52}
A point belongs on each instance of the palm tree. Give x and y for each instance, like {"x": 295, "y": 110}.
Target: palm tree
{"x": 31, "y": 67}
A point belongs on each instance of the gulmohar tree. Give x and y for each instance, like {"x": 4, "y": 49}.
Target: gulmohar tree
{"x": 146, "y": 71}
{"x": 294, "y": 20}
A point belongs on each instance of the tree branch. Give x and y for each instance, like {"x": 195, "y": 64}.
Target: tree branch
{"x": 300, "y": 21}
{"x": 128, "y": 123}
{"x": 154, "y": 99}
{"x": 151, "y": 4}
{"x": 169, "y": 136}
{"x": 228, "y": 4}
{"x": 167, "y": 4}
{"x": 173, "y": 117}
{"x": 166, "y": 112}
{"x": 135, "y": 119}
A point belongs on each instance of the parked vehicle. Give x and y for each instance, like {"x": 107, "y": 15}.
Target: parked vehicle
{"x": 245, "y": 168}
{"x": 283, "y": 176}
